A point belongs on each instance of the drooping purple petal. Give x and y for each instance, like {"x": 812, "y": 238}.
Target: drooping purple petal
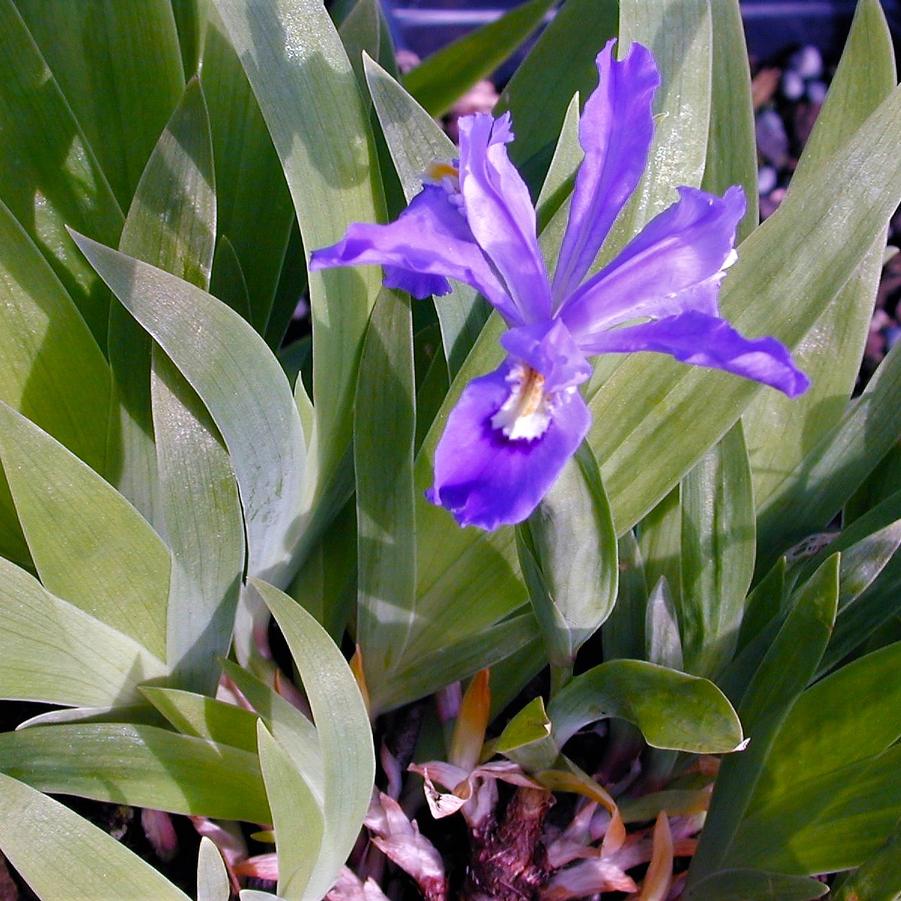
{"x": 417, "y": 284}
{"x": 500, "y": 213}
{"x": 486, "y": 479}
{"x": 430, "y": 238}
{"x": 615, "y": 132}
{"x": 701, "y": 340}
{"x": 549, "y": 348}
{"x": 673, "y": 265}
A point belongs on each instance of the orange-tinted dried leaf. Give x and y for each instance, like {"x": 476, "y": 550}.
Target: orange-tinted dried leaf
{"x": 659, "y": 877}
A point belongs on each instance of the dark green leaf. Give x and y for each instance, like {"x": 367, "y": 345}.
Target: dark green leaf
{"x": 384, "y": 430}
{"x": 717, "y": 554}
{"x": 251, "y": 186}
{"x": 742, "y": 885}
{"x": 450, "y": 72}
{"x": 672, "y": 709}
{"x": 539, "y": 91}
{"x": 777, "y": 683}
{"x": 569, "y": 559}
{"x": 813, "y": 493}
{"x": 119, "y": 66}
{"x": 43, "y": 154}
{"x": 415, "y": 141}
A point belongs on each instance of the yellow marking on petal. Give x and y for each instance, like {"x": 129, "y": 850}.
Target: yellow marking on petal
{"x": 532, "y": 393}
{"x": 437, "y": 171}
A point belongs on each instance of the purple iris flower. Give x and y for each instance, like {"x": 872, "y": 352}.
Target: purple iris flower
{"x": 512, "y": 431}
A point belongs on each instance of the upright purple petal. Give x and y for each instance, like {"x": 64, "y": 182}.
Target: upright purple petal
{"x": 500, "y": 213}
{"x": 701, "y": 340}
{"x": 615, "y": 131}
{"x": 488, "y": 480}
{"x": 673, "y": 265}
{"x": 430, "y": 238}
{"x": 549, "y": 348}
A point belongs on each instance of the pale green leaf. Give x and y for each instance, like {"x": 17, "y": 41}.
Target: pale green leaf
{"x": 660, "y": 543}
{"x": 203, "y": 717}
{"x": 90, "y": 546}
{"x": 308, "y": 94}
{"x": 212, "y": 877}
{"x": 51, "y": 368}
{"x": 679, "y": 34}
{"x": 296, "y": 816}
{"x": 201, "y": 513}
{"x": 642, "y": 410}
{"x": 141, "y": 766}
{"x": 289, "y": 726}
{"x": 171, "y": 224}
{"x": 834, "y": 468}
{"x": 243, "y": 387}
{"x": 552, "y": 208}
{"x": 361, "y": 34}
{"x": 731, "y": 145}
{"x": 342, "y": 723}
{"x": 782, "y": 431}
{"x": 663, "y": 644}
{"x": 52, "y": 651}
{"x": 35, "y": 829}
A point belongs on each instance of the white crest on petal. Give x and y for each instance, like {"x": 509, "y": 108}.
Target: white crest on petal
{"x": 528, "y": 410}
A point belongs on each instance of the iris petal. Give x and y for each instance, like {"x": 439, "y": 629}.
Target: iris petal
{"x": 615, "y": 131}
{"x": 673, "y": 265}
{"x": 500, "y": 213}
{"x": 548, "y": 348}
{"x": 430, "y": 238}
{"x": 488, "y": 480}
{"x": 709, "y": 341}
